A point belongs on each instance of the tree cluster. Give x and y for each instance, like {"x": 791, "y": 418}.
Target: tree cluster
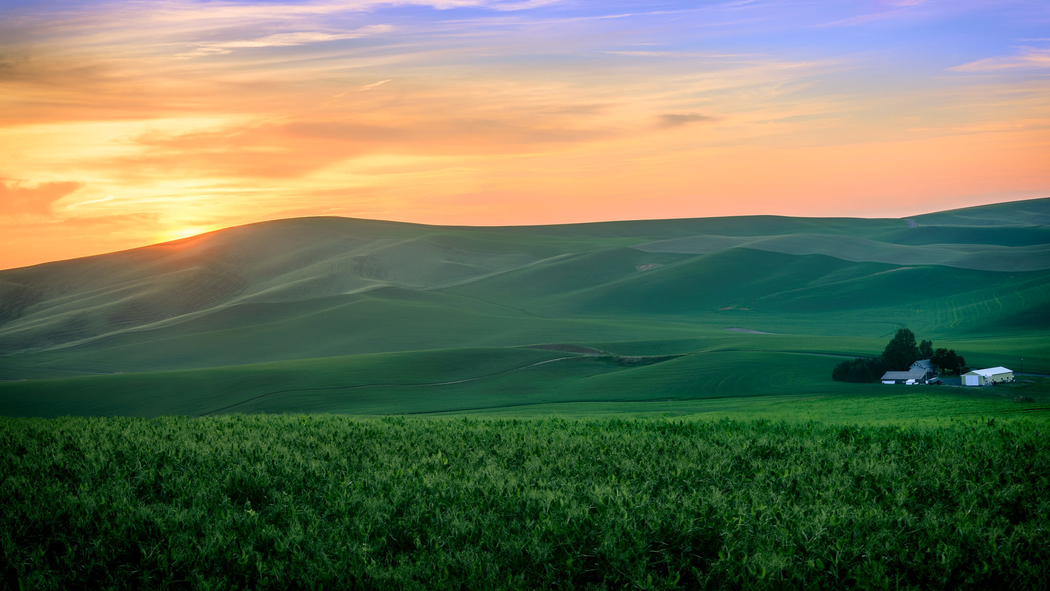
{"x": 861, "y": 370}
{"x": 900, "y": 353}
{"x": 947, "y": 360}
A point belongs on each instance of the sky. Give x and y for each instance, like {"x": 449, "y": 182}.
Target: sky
{"x": 129, "y": 123}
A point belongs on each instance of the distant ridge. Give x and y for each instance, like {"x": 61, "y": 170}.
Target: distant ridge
{"x": 1023, "y": 213}
{"x": 983, "y": 256}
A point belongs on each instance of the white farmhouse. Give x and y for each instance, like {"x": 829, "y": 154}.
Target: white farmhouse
{"x": 985, "y": 377}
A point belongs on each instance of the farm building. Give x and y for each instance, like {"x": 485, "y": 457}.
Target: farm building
{"x": 987, "y": 377}
{"x": 912, "y": 376}
{"x": 926, "y": 365}
{"x": 920, "y": 372}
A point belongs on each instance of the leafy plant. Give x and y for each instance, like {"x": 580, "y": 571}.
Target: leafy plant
{"x": 323, "y": 501}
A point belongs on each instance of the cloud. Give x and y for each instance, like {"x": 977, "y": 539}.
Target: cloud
{"x": 1029, "y": 57}
{"x": 893, "y": 8}
{"x": 865, "y": 18}
{"x": 89, "y": 202}
{"x": 375, "y": 84}
{"x": 262, "y": 152}
{"x": 487, "y": 4}
{"x": 203, "y": 10}
{"x": 284, "y": 40}
{"x": 680, "y": 119}
{"x": 291, "y": 150}
{"x": 688, "y": 54}
{"x": 18, "y": 199}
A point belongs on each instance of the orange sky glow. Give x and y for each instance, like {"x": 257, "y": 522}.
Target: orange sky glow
{"x": 125, "y": 124}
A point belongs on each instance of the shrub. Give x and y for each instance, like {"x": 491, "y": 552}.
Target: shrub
{"x": 862, "y": 370}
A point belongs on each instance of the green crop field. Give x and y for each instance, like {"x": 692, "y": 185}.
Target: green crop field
{"x": 520, "y": 381}
{"x": 324, "y": 501}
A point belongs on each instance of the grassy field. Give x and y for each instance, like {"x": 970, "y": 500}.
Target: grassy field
{"x": 323, "y": 501}
{"x": 521, "y": 382}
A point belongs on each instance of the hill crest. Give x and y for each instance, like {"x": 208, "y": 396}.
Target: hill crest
{"x": 297, "y": 270}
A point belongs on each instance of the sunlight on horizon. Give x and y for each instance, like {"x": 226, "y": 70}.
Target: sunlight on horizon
{"x": 488, "y": 113}
{"x": 182, "y": 233}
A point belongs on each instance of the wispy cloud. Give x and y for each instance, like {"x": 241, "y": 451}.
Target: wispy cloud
{"x": 862, "y": 19}
{"x": 1028, "y": 57}
{"x": 196, "y": 10}
{"x": 902, "y": 2}
{"x": 675, "y": 54}
{"x": 680, "y": 119}
{"x": 284, "y": 40}
{"x": 90, "y": 202}
{"x": 890, "y": 9}
{"x": 374, "y": 84}
{"x": 21, "y": 199}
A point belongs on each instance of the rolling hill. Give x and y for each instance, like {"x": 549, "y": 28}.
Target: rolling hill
{"x": 206, "y": 324}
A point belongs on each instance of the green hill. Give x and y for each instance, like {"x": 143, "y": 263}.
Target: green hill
{"x": 204, "y": 323}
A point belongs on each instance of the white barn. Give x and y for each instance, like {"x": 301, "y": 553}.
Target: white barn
{"x": 985, "y": 377}
{"x": 920, "y": 372}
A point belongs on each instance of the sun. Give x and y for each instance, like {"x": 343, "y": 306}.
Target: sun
{"x": 180, "y": 233}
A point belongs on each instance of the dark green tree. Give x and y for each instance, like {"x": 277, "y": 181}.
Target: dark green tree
{"x": 940, "y": 358}
{"x": 841, "y": 372}
{"x": 901, "y": 351}
{"x": 862, "y": 370}
{"x": 926, "y": 350}
{"x": 949, "y": 361}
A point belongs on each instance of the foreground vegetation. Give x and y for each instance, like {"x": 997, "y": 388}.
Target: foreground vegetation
{"x": 323, "y": 501}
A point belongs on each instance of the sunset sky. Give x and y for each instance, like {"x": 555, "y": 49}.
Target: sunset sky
{"x": 129, "y": 123}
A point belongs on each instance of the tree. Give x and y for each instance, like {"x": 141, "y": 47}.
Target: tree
{"x": 948, "y": 361}
{"x": 901, "y": 351}
{"x": 926, "y": 350}
{"x": 940, "y": 358}
{"x": 841, "y": 372}
{"x": 951, "y": 361}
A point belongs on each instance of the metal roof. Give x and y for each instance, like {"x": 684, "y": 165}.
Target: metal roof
{"x": 991, "y": 371}
{"x": 911, "y": 374}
